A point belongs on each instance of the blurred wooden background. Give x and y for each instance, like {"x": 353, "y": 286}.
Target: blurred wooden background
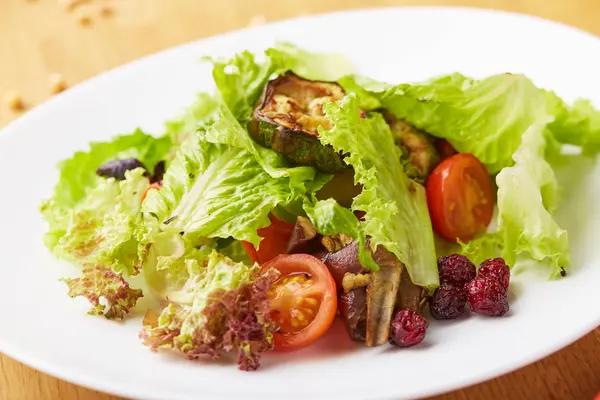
{"x": 44, "y": 45}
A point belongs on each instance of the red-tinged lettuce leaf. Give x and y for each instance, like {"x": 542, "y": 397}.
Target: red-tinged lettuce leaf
{"x": 96, "y": 283}
{"x": 232, "y": 320}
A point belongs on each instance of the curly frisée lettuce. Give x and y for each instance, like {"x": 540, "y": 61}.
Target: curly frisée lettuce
{"x": 109, "y": 294}
{"x": 81, "y": 195}
{"x": 395, "y": 206}
{"x": 101, "y": 228}
{"x": 222, "y": 306}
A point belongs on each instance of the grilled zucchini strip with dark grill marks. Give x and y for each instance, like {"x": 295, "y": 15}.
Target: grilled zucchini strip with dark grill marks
{"x": 287, "y": 118}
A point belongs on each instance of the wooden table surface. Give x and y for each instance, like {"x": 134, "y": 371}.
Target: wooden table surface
{"x": 39, "y": 38}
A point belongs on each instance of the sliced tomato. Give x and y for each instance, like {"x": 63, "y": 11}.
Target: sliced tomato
{"x": 155, "y": 185}
{"x": 275, "y": 241}
{"x": 460, "y": 196}
{"x": 303, "y": 300}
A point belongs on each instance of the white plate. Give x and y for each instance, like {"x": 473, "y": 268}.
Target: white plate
{"x": 42, "y": 327}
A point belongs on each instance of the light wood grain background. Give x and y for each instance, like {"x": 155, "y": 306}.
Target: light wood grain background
{"x": 39, "y": 38}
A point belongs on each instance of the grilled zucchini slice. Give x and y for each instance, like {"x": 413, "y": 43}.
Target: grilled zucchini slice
{"x": 287, "y": 118}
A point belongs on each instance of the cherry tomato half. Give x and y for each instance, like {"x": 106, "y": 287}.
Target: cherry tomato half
{"x": 155, "y": 185}
{"x": 460, "y": 196}
{"x": 275, "y": 241}
{"x": 303, "y": 300}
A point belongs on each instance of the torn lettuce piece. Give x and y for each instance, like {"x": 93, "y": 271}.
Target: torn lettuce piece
{"x": 101, "y": 229}
{"x": 216, "y": 191}
{"x": 222, "y": 306}
{"x": 484, "y": 117}
{"x": 314, "y": 66}
{"x": 396, "y": 208}
{"x": 240, "y": 81}
{"x": 79, "y": 183}
{"x": 78, "y": 173}
{"x": 171, "y": 260}
{"x": 109, "y": 294}
{"x": 579, "y": 125}
{"x": 234, "y": 250}
{"x": 527, "y": 197}
{"x": 178, "y": 129}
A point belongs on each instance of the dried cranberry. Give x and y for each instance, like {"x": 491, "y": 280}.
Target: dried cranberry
{"x": 408, "y": 328}
{"x": 497, "y": 270}
{"x": 448, "y": 301}
{"x": 487, "y": 296}
{"x": 456, "y": 269}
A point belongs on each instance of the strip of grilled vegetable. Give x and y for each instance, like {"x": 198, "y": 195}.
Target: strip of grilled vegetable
{"x": 304, "y": 237}
{"x": 381, "y": 296}
{"x": 353, "y": 309}
{"x": 410, "y": 296}
{"x": 418, "y": 145}
{"x": 287, "y": 118}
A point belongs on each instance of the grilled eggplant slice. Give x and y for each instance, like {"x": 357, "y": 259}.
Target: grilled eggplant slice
{"x": 418, "y": 145}
{"x": 304, "y": 237}
{"x": 287, "y": 118}
{"x": 410, "y": 296}
{"x": 353, "y": 309}
{"x": 340, "y": 262}
{"x": 381, "y": 296}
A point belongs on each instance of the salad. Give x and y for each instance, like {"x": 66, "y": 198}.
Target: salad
{"x": 300, "y": 192}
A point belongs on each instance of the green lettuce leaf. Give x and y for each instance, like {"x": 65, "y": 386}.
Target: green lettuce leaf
{"x": 202, "y": 109}
{"x": 216, "y": 191}
{"x": 78, "y": 173}
{"x": 579, "y": 125}
{"x": 101, "y": 228}
{"x": 234, "y": 250}
{"x": 309, "y": 65}
{"x": 79, "y": 183}
{"x": 527, "y": 197}
{"x": 484, "y": 117}
{"x": 396, "y": 208}
{"x": 241, "y": 79}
